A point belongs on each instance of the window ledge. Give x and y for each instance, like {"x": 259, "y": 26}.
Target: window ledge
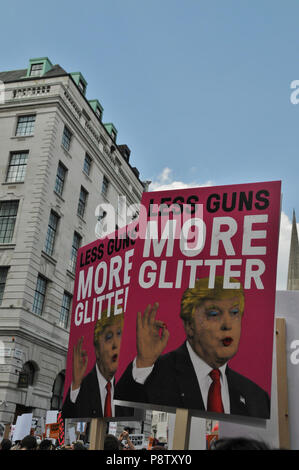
{"x": 7, "y": 246}
{"x": 12, "y": 183}
{"x": 81, "y": 218}
{"x": 67, "y": 152}
{"x": 71, "y": 274}
{"x": 87, "y": 176}
{"x": 58, "y": 195}
{"x": 104, "y": 196}
{"x": 49, "y": 258}
{"x": 22, "y": 137}
{"x": 58, "y": 325}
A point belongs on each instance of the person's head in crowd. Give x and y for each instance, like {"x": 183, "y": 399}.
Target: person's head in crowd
{"x": 212, "y": 319}
{"x": 16, "y": 445}
{"x": 107, "y": 338}
{"x": 46, "y": 444}
{"x": 111, "y": 443}
{"x": 5, "y": 444}
{"x": 239, "y": 443}
{"x": 78, "y": 446}
{"x": 29, "y": 443}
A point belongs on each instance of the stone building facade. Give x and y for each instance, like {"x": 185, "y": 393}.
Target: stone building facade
{"x": 58, "y": 163}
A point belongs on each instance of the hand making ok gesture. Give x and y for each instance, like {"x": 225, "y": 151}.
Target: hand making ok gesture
{"x": 150, "y": 342}
{"x": 80, "y": 360}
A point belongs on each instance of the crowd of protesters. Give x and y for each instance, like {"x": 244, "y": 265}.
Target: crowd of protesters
{"x": 33, "y": 443}
{"x": 111, "y": 442}
{"x": 123, "y": 442}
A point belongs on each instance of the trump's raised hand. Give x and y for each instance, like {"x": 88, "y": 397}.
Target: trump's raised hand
{"x": 80, "y": 360}
{"x": 152, "y": 337}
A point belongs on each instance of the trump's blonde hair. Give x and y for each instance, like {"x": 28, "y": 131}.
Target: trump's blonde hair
{"x": 106, "y": 321}
{"x": 194, "y": 297}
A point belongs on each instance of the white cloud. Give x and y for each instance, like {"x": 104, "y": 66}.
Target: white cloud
{"x": 165, "y": 182}
{"x": 165, "y": 175}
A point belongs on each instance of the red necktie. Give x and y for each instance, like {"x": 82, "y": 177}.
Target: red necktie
{"x": 214, "y": 396}
{"x": 108, "y": 409}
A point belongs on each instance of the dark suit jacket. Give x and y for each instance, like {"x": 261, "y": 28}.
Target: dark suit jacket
{"x": 173, "y": 383}
{"x": 88, "y": 403}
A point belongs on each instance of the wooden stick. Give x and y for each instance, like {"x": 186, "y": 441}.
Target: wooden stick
{"x": 282, "y": 384}
{"x": 6, "y": 431}
{"x": 181, "y": 429}
{"x": 97, "y": 434}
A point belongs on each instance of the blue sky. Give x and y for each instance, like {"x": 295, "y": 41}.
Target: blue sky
{"x": 198, "y": 89}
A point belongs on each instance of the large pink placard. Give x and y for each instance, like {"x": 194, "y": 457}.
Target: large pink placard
{"x": 102, "y": 281}
{"x": 236, "y": 231}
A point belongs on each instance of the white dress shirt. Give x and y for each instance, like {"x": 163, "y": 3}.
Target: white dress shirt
{"x": 202, "y": 370}
{"x": 102, "y": 390}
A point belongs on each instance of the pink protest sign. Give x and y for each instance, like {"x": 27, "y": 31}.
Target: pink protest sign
{"x": 204, "y": 285}
{"x": 100, "y": 296}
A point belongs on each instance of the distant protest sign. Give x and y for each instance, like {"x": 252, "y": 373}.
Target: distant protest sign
{"x": 100, "y": 297}
{"x": 287, "y": 306}
{"x": 51, "y": 416}
{"x": 23, "y": 427}
{"x": 52, "y": 431}
{"x": 202, "y": 300}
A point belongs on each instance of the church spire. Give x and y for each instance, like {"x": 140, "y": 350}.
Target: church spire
{"x": 293, "y": 273}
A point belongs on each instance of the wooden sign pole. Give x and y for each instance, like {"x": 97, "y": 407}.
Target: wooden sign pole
{"x": 282, "y": 384}
{"x": 181, "y": 429}
{"x": 6, "y": 431}
{"x": 97, "y": 434}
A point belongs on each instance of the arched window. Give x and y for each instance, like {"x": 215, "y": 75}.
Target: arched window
{"x": 57, "y": 391}
{"x": 27, "y": 375}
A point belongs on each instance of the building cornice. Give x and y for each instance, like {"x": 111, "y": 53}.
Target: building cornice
{"x": 107, "y": 162}
{"x": 46, "y": 79}
{"x": 20, "y": 332}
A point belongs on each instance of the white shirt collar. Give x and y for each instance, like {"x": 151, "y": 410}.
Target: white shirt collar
{"x": 101, "y": 379}
{"x": 201, "y": 367}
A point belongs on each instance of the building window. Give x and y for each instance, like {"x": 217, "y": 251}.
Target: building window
{"x": 8, "y": 215}
{"x": 82, "y": 202}
{"x": 39, "y": 296}
{"x": 57, "y": 392}
{"x": 121, "y": 207}
{"x": 60, "y": 179}
{"x": 87, "y": 164}
{"x": 51, "y": 233}
{"x": 113, "y": 135}
{"x": 66, "y": 138}
{"x": 105, "y": 186}
{"x": 3, "y": 275}
{"x": 74, "y": 252}
{"x": 162, "y": 417}
{"x": 17, "y": 167}
{"x": 82, "y": 86}
{"x": 99, "y": 113}
{"x": 65, "y": 310}
{"x": 27, "y": 374}
{"x": 36, "y": 70}
{"x": 25, "y": 125}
